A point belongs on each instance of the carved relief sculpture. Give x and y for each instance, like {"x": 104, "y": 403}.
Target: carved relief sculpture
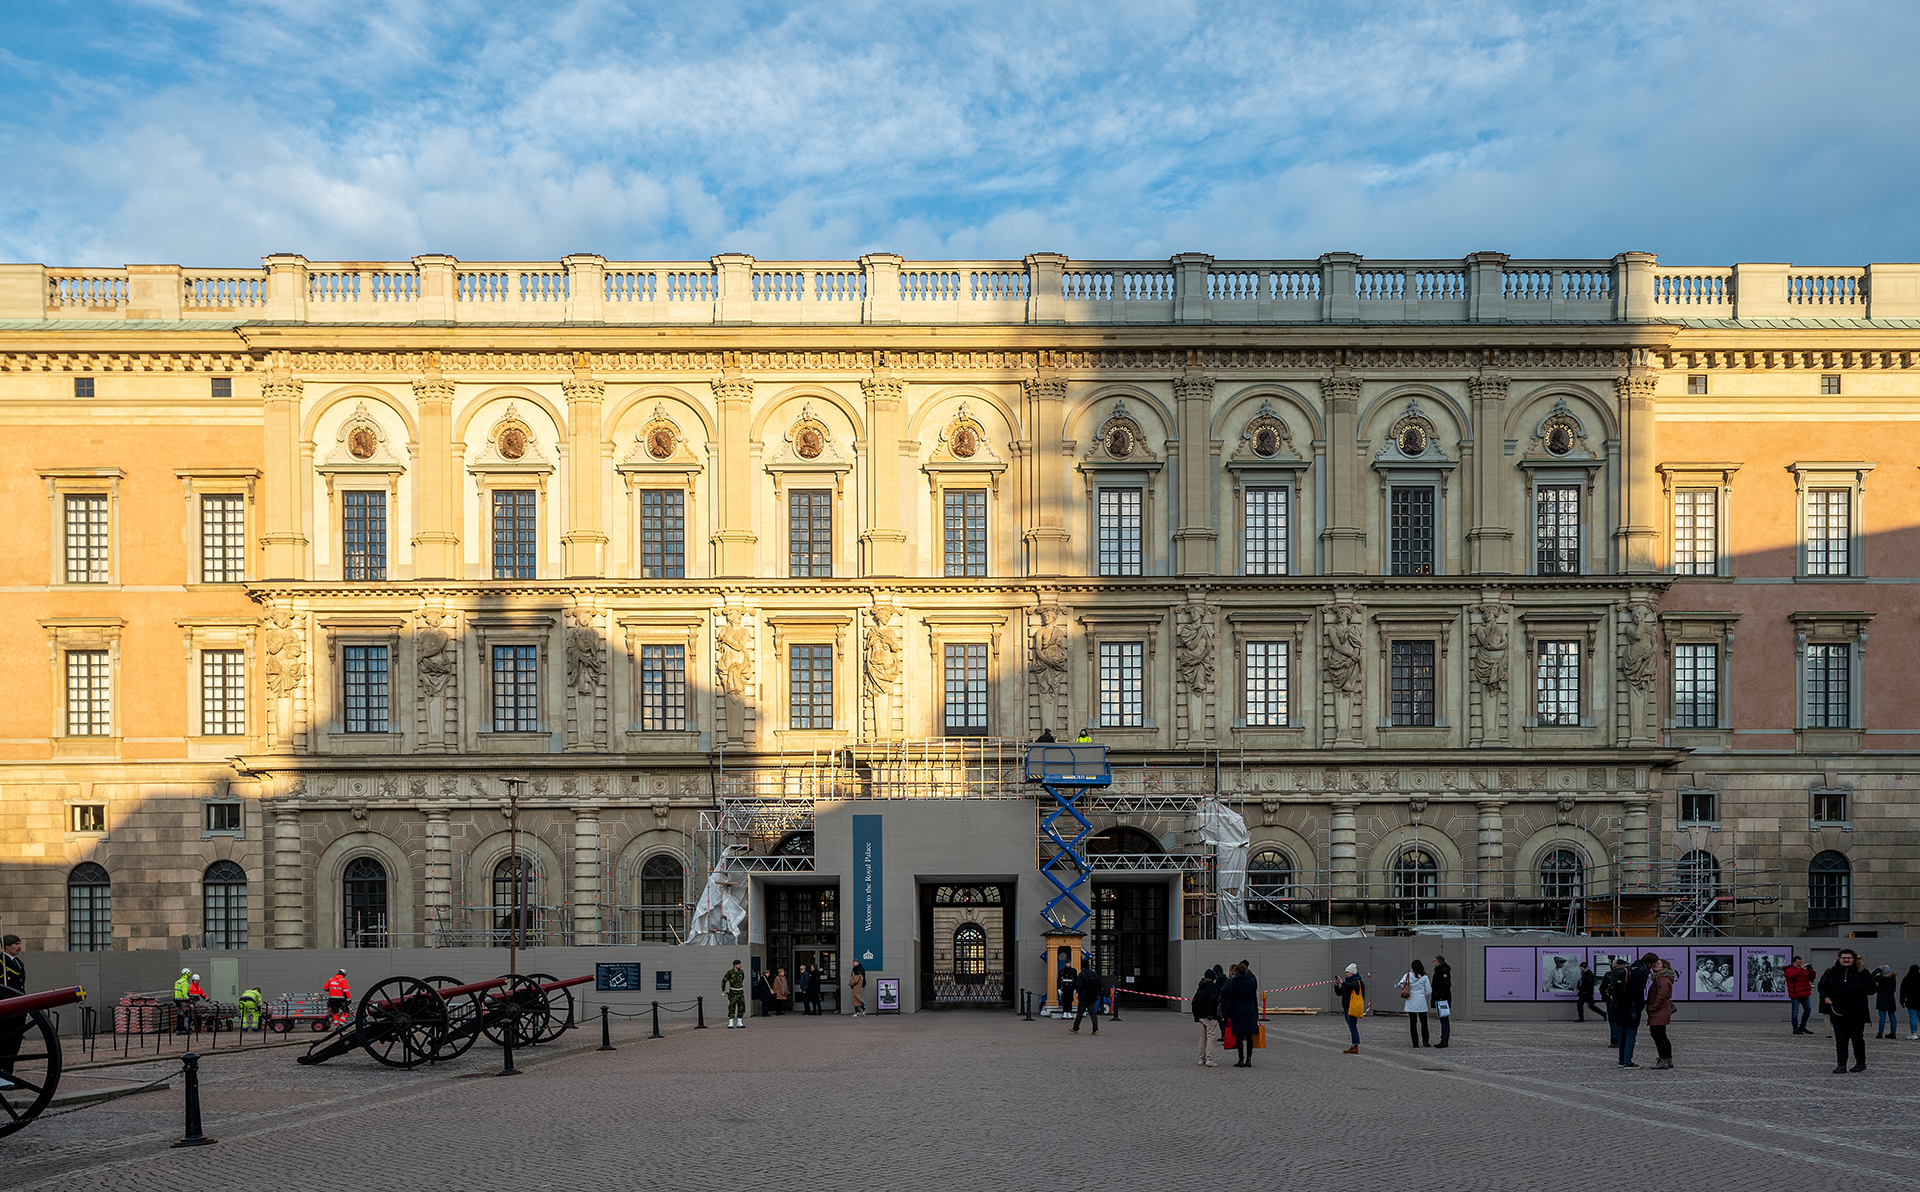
{"x": 1637, "y": 653}
{"x": 585, "y": 663}
{"x": 1195, "y": 635}
{"x": 1489, "y": 631}
{"x": 1344, "y": 662}
{"x": 1049, "y": 666}
{"x": 882, "y": 652}
{"x": 733, "y": 653}
{"x": 286, "y": 654}
{"x": 434, "y": 653}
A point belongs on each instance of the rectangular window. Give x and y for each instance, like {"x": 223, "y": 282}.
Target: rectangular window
{"x": 965, "y": 517}
{"x": 1266, "y": 685}
{"x": 1410, "y": 530}
{"x": 87, "y": 538}
{"x": 90, "y": 914}
{"x": 90, "y": 817}
{"x": 222, "y": 386}
{"x": 1556, "y": 510}
{"x": 1266, "y": 531}
{"x": 1696, "y": 686}
{"x": 516, "y": 689}
{"x": 1829, "y": 531}
{"x": 663, "y": 689}
{"x": 1829, "y": 385}
{"x": 89, "y": 693}
{"x": 810, "y": 687}
{"x": 223, "y": 817}
{"x": 223, "y": 538}
{"x": 810, "y": 533}
{"x": 223, "y": 693}
{"x": 1412, "y": 676}
{"x": 1700, "y": 807}
{"x": 83, "y": 386}
{"x": 1120, "y": 531}
{"x": 966, "y": 711}
{"x": 364, "y": 678}
{"x": 663, "y": 533}
{"x": 1696, "y": 383}
{"x": 1556, "y": 689}
{"x": 1829, "y": 686}
{"x": 514, "y": 518}
{"x": 1696, "y": 531}
{"x": 363, "y": 535}
{"x": 1122, "y": 684}
{"x": 1830, "y": 806}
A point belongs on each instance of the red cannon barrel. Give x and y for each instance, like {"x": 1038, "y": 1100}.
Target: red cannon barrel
{"x": 28, "y": 1003}
{"x": 476, "y": 987}
{"x": 549, "y": 988}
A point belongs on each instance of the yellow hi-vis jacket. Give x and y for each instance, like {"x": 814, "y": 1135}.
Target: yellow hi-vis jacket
{"x": 183, "y": 987}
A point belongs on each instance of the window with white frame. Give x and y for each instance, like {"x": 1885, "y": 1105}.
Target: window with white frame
{"x": 515, "y": 533}
{"x": 1696, "y": 531}
{"x": 516, "y": 688}
{"x": 88, "y": 538}
{"x": 89, "y": 693}
{"x": 1829, "y": 536}
{"x": 1410, "y": 529}
{"x": 223, "y": 693}
{"x": 1696, "y": 685}
{"x": 663, "y": 533}
{"x": 1556, "y": 698}
{"x": 1556, "y": 513}
{"x": 1264, "y": 540}
{"x": 363, "y": 684}
{"x": 1122, "y": 684}
{"x": 966, "y": 689}
{"x": 1829, "y": 685}
{"x": 964, "y": 527}
{"x": 810, "y": 533}
{"x": 223, "y": 538}
{"x": 663, "y": 689}
{"x": 1264, "y": 683}
{"x": 1120, "y": 531}
{"x": 810, "y": 686}
{"x": 363, "y": 534}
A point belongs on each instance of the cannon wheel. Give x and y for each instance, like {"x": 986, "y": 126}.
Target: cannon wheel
{"x": 400, "y": 1022}
{"x": 528, "y": 1022}
{"x": 36, "y": 1069}
{"x": 461, "y": 1011}
{"x": 559, "y": 1007}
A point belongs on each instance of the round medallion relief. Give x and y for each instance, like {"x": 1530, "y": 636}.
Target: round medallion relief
{"x": 965, "y": 443}
{"x": 1120, "y": 442}
{"x": 809, "y": 443}
{"x": 1559, "y": 439}
{"x": 1413, "y": 440}
{"x": 513, "y": 443}
{"x": 361, "y": 444}
{"x": 1266, "y": 441}
{"x": 660, "y": 442}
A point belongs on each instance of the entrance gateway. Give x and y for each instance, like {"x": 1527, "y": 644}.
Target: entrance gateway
{"x": 966, "y": 939}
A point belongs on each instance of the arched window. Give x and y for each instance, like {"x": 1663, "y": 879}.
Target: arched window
{"x": 663, "y": 896}
{"x": 223, "y": 893}
{"x": 1562, "y": 874}
{"x": 795, "y": 844}
{"x": 513, "y": 889}
{"x": 970, "y": 954}
{"x": 1126, "y": 842}
{"x": 89, "y": 909}
{"x": 363, "y": 905}
{"x": 1269, "y": 882}
{"x": 1829, "y": 890}
{"x": 1700, "y": 873}
{"x": 1416, "y": 877}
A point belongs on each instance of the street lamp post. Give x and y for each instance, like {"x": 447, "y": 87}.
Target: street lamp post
{"x": 514, "y": 870}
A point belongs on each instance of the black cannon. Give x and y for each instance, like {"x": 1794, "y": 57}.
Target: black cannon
{"x": 35, "y": 1069}
{"x": 404, "y": 1022}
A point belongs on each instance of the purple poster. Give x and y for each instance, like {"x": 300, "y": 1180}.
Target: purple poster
{"x": 1714, "y": 973}
{"x": 1510, "y": 975}
{"x": 1763, "y": 973}
{"x": 1559, "y": 970}
{"x": 1600, "y": 960}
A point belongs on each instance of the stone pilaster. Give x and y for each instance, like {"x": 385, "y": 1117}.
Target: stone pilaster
{"x": 1490, "y": 851}
{"x": 1343, "y": 846}
{"x": 585, "y": 541}
{"x": 281, "y": 527}
{"x": 885, "y": 538}
{"x": 439, "y": 876}
{"x": 1638, "y": 485}
{"x": 1345, "y": 536}
{"x": 1490, "y": 537}
{"x": 732, "y": 483}
{"x": 289, "y": 894}
{"x": 436, "y": 490}
{"x": 1048, "y": 543}
{"x": 1195, "y": 541}
{"x": 586, "y": 876}
{"x": 1633, "y": 840}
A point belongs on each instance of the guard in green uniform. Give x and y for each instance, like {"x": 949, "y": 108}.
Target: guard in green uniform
{"x": 250, "y": 1009}
{"x": 182, "y": 998}
{"x": 734, "y": 983}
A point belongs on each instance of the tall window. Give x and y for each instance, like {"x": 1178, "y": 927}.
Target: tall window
{"x": 1122, "y": 684}
{"x": 964, "y": 517}
{"x": 663, "y": 689}
{"x": 1416, "y": 879}
{"x": 1696, "y": 686}
{"x": 87, "y": 538}
{"x": 1562, "y": 874}
{"x": 1556, "y": 688}
{"x": 1412, "y": 675}
{"x": 1696, "y": 531}
{"x": 970, "y": 954}
{"x": 810, "y": 533}
{"x": 223, "y": 693}
{"x": 89, "y": 694}
{"x": 1700, "y": 874}
{"x": 363, "y": 904}
{"x": 516, "y": 689}
{"x": 1266, "y": 531}
{"x": 663, "y": 533}
{"x": 223, "y": 538}
{"x": 513, "y": 898}
{"x": 1829, "y": 890}
{"x": 1120, "y": 531}
{"x": 1410, "y": 529}
{"x": 1556, "y": 529}
{"x": 1829, "y": 685}
{"x": 89, "y": 909}
{"x": 1269, "y": 883}
{"x": 810, "y": 686}
{"x": 513, "y": 533}
{"x": 363, "y": 535}
{"x": 663, "y": 896}
{"x": 1829, "y": 531}
{"x": 223, "y": 894}
{"x": 1266, "y": 684}
{"x": 364, "y": 681}
{"x": 966, "y": 708}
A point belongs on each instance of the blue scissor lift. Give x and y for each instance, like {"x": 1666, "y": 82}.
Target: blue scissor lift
{"x": 1065, "y": 772}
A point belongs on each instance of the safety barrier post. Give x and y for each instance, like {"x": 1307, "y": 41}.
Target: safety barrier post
{"x": 700, "y": 1011}
{"x": 1029, "y": 1005}
{"x": 606, "y": 1037}
{"x": 1263, "y": 1007}
{"x": 190, "y": 1064}
{"x": 656, "y": 1022}
{"x": 1113, "y": 997}
{"x": 506, "y": 1042}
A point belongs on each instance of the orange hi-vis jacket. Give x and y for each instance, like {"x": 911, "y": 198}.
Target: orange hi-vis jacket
{"x": 337, "y": 986}
{"x": 194, "y": 990}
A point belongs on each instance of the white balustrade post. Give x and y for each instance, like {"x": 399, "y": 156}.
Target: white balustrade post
{"x": 23, "y": 291}
{"x": 1338, "y": 302}
{"x": 1046, "y": 295}
{"x": 1760, "y": 291}
{"x": 733, "y": 283}
{"x": 883, "y": 287}
{"x": 1486, "y": 303}
{"x": 286, "y": 287}
{"x": 1633, "y": 286}
{"x": 586, "y": 287}
{"x": 1190, "y": 303}
{"x": 439, "y": 287}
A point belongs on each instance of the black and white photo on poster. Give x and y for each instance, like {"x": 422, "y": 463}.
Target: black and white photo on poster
{"x": 1560, "y": 973}
{"x": 1713, "y": 974}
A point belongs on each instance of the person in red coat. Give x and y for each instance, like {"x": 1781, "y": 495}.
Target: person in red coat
{"x": 339, "y": 998}
{"x": 1660, "y": 1011}
{"x": 1800, "y": 989}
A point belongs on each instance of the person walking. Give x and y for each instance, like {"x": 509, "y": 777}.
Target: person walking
{"x": 1063, "y": 988}
{"x": 13, "y": 983}
{"x": 781, "y": 992}
{"x": 1351, "y": 994}
{"x": 1415, "y": 991}
{"x": 1800, "y": 995}
{"x": 1844, "y": 992}
{"x": 857, "y": 990}
{"x": 1587, "y": 984}
{"x": 1242, "y": 999}
{"x": 1629, "y": 1001}
{"x": 1910, "y": 998}
{"x": 1443, "y": 998}
{"x": 1887, "y": 1026}
{"x": 339, "y": 997}
{"x": 733, "y": 983}
{"x": 1660, "y": 1011}
{"x": 1206, "y": 1004}
{"x": 1088, "y": 988}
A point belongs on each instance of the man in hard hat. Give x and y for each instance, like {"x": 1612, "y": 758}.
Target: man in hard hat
{"x": 338, "y": 997}
{"x": 1085, "y": 737}
{"x": 182, "y": 997}
{"x": 195, "y": 990}
{"x": 250, "y": 1008}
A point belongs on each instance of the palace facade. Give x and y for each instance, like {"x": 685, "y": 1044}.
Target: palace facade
{"x": 1481, "y": 588}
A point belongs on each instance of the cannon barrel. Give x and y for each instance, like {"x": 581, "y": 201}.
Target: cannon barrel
{"x": 456, "y": 991}
{"x": 28, "y": 1003}
{"x": 549, "y": 988}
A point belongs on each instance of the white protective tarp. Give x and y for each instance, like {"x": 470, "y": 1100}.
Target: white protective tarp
{"x": 722, "y": 909}
{"x": 1225, "y": 831}
{"x": 1294, "y": 931}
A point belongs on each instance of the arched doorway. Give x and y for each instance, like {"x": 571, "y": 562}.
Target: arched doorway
{"x": 223, "y": 895}
{"x": 965, "y": 944}
{"x": 363, "y": 903}
{"x": 663, "y": 897}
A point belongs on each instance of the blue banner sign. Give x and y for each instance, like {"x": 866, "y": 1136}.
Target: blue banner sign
{"x": 869, "y": 894}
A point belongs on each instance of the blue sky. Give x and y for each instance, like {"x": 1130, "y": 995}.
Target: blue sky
{"x": 202, "y": 133}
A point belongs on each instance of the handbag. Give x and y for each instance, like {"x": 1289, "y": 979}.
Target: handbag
{"x": 1227, "y": 1038}
{"x": 1260, "y": 1036}
{"x": 1446, "y": 1009}
{"x": 1356, "y": 1005}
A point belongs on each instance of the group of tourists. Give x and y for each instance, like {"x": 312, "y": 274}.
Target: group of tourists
{"x": 775, "y": 994}
{"x": 1227, "y": 1006}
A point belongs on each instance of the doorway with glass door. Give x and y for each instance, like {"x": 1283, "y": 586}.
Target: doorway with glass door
{"x": 803, "y": 931}
{"x": 965, "y": 930}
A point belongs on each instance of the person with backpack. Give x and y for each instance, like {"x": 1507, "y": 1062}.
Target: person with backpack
{"x": 1206, "y": 1007}
{"x": 1443, "y": 998}
{"x": 1351, "y": 994}
{"x": 1415, "y": 991}
{"x": 1610, "y": 993}
{"x": 1088, "y": 989}
{"x": 1629, "y": 1000}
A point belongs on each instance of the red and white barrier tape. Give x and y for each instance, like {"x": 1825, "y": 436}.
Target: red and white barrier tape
{"x": 1168, "y": 998}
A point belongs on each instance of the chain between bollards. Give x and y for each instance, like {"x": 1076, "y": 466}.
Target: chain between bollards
{"x": 700, "y": 1013}
{"x": 606, "y": 1037}
{"x": 656, "y": 1022}
{"x": 190, "y": 1064}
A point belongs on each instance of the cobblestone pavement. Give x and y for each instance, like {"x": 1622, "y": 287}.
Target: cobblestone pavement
{"x": 908, "y": 1103}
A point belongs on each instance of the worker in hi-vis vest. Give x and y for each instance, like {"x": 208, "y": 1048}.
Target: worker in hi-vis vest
{"x": 338, "y": 997}
{"x": 182, "y": 995}
{"x": 250, "y": 1009}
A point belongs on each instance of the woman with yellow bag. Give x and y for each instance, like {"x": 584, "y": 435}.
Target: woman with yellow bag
{"x": 1352, "y": 996}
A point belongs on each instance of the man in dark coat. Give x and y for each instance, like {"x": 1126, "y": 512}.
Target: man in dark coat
{"x": 1845, "y": 993}
{"x": 13, "y": 983}
{"x": 1443, "y": 997}
{"x": 1630, "y": 998}
{"x": 1588, "y": 982}
{"x": 1063, "y": 988}
{"x": 1088, "y": 989}
{"x": 813, "y": 990}
{"x": 1206, "y": 1008}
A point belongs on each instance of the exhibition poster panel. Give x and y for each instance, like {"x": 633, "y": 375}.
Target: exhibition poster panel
{"x": 1559, "y": 973}
{"x": 1714, "y": 973}
{"x": 1763, "y": 973}
{"x": 1510, "y": 975}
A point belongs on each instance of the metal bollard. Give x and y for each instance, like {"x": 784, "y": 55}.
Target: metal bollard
{"x": 1029, "y": 994}
{"x": 606, "y": 1038}
{"x": 190, "y": 1064}
{"x": 700, "y": 1012}
{"x": 656, "y": 1022}
{"x": 506, "y": 1044}
{"x": 1113, "y": 997}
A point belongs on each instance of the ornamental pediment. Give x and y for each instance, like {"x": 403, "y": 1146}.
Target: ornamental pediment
{"x": 361, "y": 445}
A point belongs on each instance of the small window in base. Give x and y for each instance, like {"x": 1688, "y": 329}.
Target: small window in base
{"x": 222, "y": 386}
{"x": 1700, "y": 807}
{"x": 1829, "y": 385}
{"x": 83, "y": 386}
{"x": 223, "y": 817}
{"x": 1830, "y": 806}
{"x": 90, "y": 817}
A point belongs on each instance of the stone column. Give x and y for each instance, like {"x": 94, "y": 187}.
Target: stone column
{"x": 439, "y": 892}
{"x": 1047, "y": 539}
{"x": 885, "y": 537}
{"x": 436, "y": 490}
{"x": 732, "y": 483}
{"x": 1344, "y": 849}
{"x": 1194, "y": 542}
{"x": 289, "y": 894}
{"x": 586, "y": 537}
{"x": 281, "y": 526}
{"x": 1490, "y": 854}
{"x": 586, "y": 876}
{"x": 1490, "y": 538}
{"x": 1637, "y": 484}
{"x": 1345, "y": 536}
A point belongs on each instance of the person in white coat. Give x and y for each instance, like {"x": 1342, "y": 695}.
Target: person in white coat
{"x": 1418, "y": 992}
